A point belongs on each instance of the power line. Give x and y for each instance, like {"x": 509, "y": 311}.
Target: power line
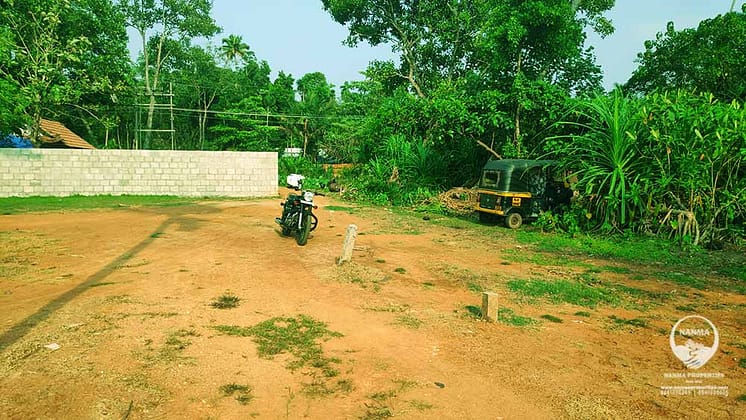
{"x": 246, "y": 114}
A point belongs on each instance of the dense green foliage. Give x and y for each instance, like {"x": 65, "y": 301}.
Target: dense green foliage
{"x": 511, "y": 76}
{"x": 710, "y": 58}
{"x": 669, "y": 163}
{"x": 56, "y": 53}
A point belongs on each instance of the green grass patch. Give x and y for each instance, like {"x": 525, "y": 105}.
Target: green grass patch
{"x": 588, "y": 291}
{"x": 400, "y": 270}
{"x": 322, "y": 387}
{"x": 507, "y": 316}
{"x": 544, "y": 258}
{"x": 682, "y": 265}
{"x": 171, "y": 351}
{"x": 420, "y": 405}
{"x": 474, "y": 287}
{"x": 364, "y": 276}
{"x": 742, "y": 363}
{"x": 551, "y": 318}
{"x": 616, "y": 269}
{"x": 380, "y": 405}
{"x": 564, "y": 291}
{"x": 390, "y": 307}
{"x": 684, "y": 279}
{"x": 514, "y": 255}
{"x": 21, "y": 252}
{"x": 742, "y": 397}
{"x": 583, "y": 314}
{"x": 636, "y": 298}
{"x": 15, "y": 205}
{"x": 151, "y": 315}
{"x": 622, "y": 323}
{"x": 473, "y": 311}
{"x": 300, "y": 337}
{"x": 341, "y": 208}
{"x": 225, "y": 301}
{"x": 686, "y": 308}
{"x": 242, "y": 393}
{"x": 178, "y": 339}
{"x": 410, "y": 321}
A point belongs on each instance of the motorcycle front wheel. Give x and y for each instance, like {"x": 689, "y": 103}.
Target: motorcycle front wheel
{"x": 302, "y": 236}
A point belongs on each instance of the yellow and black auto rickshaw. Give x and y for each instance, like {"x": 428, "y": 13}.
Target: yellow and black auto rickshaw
{"x": 517, "y": 190}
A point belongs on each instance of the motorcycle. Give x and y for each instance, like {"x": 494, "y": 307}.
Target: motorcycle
{"x": 297, "y": 214}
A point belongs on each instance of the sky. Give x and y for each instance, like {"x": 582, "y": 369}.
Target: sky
{"x": 299, "y": 37}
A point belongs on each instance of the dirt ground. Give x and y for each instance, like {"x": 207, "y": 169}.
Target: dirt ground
{"x": 108, "y": 314}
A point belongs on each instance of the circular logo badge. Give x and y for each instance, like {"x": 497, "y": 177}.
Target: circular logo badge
{"x": 694, "y": 340}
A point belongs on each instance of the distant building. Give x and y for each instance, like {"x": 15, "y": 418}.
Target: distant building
{"x": 292, "y": 152}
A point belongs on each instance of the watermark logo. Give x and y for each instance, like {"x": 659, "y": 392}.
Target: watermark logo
{"x": 694, "y": 340}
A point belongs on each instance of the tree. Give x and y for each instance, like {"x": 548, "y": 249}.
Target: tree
{"x": 710, "y": 58}
{"x": 51, "y": 61}
{"x": 454, "y": 38}
{"x": 513, "y": 63}
{"x": 157, "y": 22}
{"x": 12, "y": 101}
{"x": 280, "y": 97}
{"x": 234, "y": 49}
{"x": 243, "y": 128}
{"x": 105, "y": 71}
{"x": 200, "y": 82}
{"x": 317, "y": 101}
{"x": 533, "y": 50}
{"x": 430, "y": 35}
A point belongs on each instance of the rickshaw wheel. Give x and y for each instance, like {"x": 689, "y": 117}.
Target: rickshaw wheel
{"x": 514, "y": 220}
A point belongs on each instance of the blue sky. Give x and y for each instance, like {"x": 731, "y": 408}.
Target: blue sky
{"x": 298, "y": 37}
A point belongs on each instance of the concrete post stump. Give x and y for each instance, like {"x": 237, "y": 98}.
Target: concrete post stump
{"x": 489, "y": 306}
{"x": 348, "y": 245}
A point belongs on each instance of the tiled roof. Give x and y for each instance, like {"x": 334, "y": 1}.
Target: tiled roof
{"x": 53, "y": 132}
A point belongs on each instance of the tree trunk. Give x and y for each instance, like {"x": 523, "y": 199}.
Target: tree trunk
{"x": 202, "y": 122}
{"x": 305, "y": 136}
{"x": 149, "y": 123}
{"x": 151, "y": 86}
{"x": 517, "y": 134}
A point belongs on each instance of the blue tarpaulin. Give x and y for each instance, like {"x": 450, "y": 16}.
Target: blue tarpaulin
{"x": 13, "y": 141}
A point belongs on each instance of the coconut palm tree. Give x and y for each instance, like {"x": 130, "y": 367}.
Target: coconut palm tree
{"x": 234, "y": 49}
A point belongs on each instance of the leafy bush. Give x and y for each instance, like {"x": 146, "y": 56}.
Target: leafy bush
{"x": 605, "y": 157}
{"x": 316, "y": 177}
{"x": 571, "y": 220}
{"x": 404, "y": 172}
{"x": 669, "y": 164}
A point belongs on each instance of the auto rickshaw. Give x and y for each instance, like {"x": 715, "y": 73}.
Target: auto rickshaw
{"x": 518, "y": 190}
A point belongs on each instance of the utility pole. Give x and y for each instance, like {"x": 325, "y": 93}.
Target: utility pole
{"x": 169, "y": 105}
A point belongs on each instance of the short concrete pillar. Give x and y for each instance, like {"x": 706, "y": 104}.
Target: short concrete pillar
{"x": 348, "y": 245}
{"x": 489, "y": 306}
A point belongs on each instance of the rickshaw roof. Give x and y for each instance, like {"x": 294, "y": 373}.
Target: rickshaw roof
{"x": 513, "y": 164}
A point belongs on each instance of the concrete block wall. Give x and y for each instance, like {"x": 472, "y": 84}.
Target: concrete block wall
{"x": 64, "y": 172}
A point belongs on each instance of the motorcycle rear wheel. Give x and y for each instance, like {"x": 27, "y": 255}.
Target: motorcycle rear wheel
{"x": 302, "y": 236}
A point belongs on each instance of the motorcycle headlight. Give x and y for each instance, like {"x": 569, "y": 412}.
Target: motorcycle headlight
{"x": 308, "y": 196}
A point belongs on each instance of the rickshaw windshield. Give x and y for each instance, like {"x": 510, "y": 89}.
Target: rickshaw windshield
{"x": 490, "y": 178}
